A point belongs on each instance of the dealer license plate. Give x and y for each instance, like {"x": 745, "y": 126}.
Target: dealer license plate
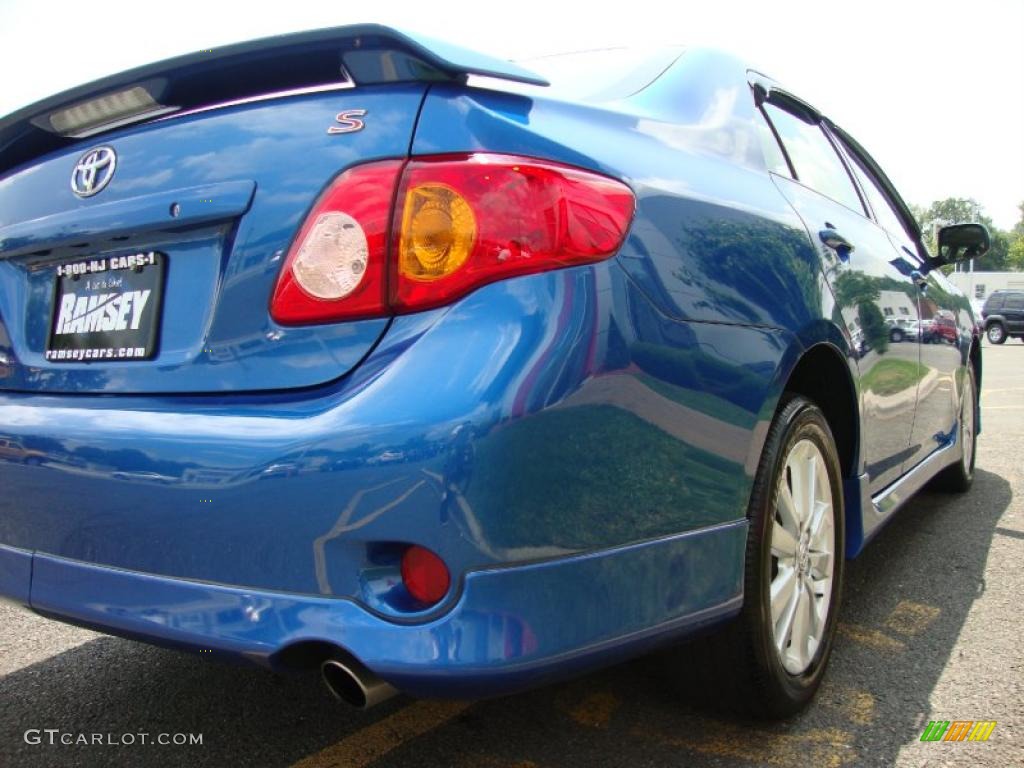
{"x": 107, "y": 308}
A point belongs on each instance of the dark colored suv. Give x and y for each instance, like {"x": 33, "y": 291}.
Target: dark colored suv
{"x": 1003, "y": 316}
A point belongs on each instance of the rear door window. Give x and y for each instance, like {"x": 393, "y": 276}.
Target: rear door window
{"x": 877, "y": 199}
{"x": 814, "y": 159}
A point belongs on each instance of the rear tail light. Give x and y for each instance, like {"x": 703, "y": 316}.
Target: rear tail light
{"x": 460, "y": 222}
{"x": 337, "y": 267}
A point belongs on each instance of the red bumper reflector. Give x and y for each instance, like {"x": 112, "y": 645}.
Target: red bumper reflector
{"x": 425, "y": 575}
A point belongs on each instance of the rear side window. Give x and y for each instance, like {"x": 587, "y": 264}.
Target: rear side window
{"x": 814, "y": 158}
{"x": 995, "y": 301}
{"x": 1014, "y": 301}
{"x": 773, "y": 156}
{"x": 884, "y": 213}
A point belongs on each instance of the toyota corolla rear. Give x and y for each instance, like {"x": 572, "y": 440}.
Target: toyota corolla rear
{"x": 251, "y": 346}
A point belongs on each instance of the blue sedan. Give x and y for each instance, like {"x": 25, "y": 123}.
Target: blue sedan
{"x": 360, "y": 351}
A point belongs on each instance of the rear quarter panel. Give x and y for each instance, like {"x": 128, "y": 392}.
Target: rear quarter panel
{"x": 702, "y": 315}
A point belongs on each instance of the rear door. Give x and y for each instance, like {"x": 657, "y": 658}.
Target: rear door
{"x": 940, "y": 359}
{"x": 869, "y": 285}
{"x": 1013, "y": 311}
{"x": 176, "y": 253}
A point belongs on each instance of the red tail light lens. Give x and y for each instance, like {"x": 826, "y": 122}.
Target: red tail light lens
{"x": 425, "y": 575}
{"x": 460, "y": 222}
{"x": 337, "y": 267}
{"x": 465, "y": 221}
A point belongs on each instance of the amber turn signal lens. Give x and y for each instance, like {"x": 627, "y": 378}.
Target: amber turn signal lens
{"x": 463, "y": 221}
{"x": 438, "y": 232}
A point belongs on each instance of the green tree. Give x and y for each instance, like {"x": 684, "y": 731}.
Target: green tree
{"x": 1015, "y": 252}
{"x": 1015, "y": 255}
{"x": 855, "y": 289}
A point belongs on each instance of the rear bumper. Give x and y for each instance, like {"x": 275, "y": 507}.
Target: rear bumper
{"x": 509, "y": 627}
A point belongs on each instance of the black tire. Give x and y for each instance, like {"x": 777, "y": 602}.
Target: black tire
{"x": 959, "y": 477}
{"x": 996, "y": 333}
{"x": 742, "y": 659}
{"x": 896, "y": 336}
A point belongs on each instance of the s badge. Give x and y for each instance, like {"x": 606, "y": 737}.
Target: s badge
{"x": 348, "y": 121}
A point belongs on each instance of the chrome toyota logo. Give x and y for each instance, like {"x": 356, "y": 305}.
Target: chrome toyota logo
{"x": 93, "y": 172}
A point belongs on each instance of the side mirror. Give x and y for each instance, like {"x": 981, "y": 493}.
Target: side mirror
{"x": 960, "y": 242}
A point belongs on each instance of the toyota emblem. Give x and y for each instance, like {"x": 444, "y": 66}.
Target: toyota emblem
{"x": 93, "y": 171}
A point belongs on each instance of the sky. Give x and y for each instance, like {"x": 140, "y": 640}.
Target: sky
{"x": 934, "y": 90}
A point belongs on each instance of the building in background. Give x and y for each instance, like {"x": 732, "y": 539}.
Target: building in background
{"x": 978, "y": 286}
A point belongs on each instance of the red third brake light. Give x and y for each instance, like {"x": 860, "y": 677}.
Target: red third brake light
{"x": 460, "y": 222}
{"x": 468, "y": 220}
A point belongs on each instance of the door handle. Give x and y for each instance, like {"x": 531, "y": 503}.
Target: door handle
{"x": 836, "y": 242}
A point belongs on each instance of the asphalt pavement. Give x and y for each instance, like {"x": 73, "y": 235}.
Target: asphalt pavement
{"x": 931, "y": 629}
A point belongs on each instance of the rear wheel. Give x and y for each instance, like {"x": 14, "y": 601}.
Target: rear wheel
{"x": 996, "y": 333}
{"x": 959, "y": 477}
{"x": 774, "y": 656}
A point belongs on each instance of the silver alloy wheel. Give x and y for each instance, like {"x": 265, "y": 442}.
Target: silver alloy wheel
{"x": 995, "y": 333}
{"x": 803, "y": 557}
{"x": 967, "y": 424}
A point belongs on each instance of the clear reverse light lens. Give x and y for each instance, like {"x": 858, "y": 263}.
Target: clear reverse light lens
{"x": 332, "y": 260}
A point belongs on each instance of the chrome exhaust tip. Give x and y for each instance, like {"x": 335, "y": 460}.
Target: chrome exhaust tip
{"x": 354, "y": 684}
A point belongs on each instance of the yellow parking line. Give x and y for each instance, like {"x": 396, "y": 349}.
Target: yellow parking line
{"x": 855, "y": 705}
{"x": 596, "y": 710}
{"x": 872, "y": 638}
{"x": 476, "y": 760}
{"x": 910, "y": 618}
{"x": 369, "y": 744}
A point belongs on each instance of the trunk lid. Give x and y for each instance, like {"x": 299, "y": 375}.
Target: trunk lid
{"x": 209, "y": 162}
{"x": 218, "y": 196}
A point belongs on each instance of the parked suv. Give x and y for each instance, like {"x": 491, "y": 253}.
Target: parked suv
{"x": 900, "y": 328}
{"x": 1003, "y": 316}
{"x": 943, "y": 329}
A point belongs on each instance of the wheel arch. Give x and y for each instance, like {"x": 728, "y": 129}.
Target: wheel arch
{"x": 821, "y": 374}
{"x": 825, "y": 374}
{"x": 974, "y": 356}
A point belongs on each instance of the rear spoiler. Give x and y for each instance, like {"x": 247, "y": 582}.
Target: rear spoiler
{"x": 362, "y": 54}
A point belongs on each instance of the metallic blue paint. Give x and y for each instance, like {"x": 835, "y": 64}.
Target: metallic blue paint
{"x": 590, "y": 435}
{"x": 15, "y": 574}
{"x": 206, "y": 204}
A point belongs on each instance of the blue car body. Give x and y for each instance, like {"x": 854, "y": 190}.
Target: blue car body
{"x": 578, "y": 445}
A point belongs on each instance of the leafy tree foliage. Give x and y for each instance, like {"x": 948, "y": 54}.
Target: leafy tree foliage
{"x": 1015, "y": 254}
